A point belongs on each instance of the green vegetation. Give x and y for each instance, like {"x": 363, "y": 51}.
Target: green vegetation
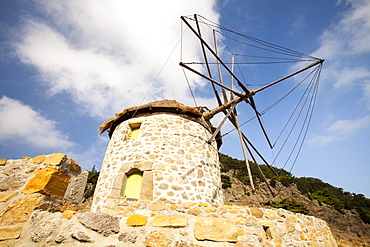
{"x": 226, "y": 183}
{"x": 290, "y": 205}
{"x": 239, "y": 166}
{"x": 313, "y": 188}
{"x": 92, "y": 179}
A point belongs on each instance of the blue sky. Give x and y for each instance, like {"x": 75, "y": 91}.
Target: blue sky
{"x": 67, "y": 66}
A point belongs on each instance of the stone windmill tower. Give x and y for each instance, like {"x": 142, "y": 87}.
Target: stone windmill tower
{"x": 168, "y": 151}
{"x": 160, "y": 151}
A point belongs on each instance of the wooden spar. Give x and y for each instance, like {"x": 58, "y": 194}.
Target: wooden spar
{"x": 251, "y": 100}
{"x": 235, "y": 117}
{"x": 290, "y": 75}
{"x": 244, "y": 153}
{"x": 214, "y": 54}
{"x": 231, "y": 78}
{"x": 259, "y": 168}
{"x": 262, "y": 158}
{"x": 219, "y": 67}
{"x": 209, "y": 114}
{"x": 206, "y": 60}
{"x": 210, "y": 79}
{"x": 202, "y": 45}
{"x": 221, "y": 124}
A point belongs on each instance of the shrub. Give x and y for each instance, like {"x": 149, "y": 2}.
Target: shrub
{"x": 287, "y": 204}
{"x": 225, "y": 180}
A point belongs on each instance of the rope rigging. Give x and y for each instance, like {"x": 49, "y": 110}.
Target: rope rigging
{"x": 302, "y": 111}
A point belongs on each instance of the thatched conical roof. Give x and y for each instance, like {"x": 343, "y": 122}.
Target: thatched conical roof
{"x": 156, "y": 107}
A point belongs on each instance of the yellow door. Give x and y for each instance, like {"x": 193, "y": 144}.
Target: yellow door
{"x": 133, "y": 185}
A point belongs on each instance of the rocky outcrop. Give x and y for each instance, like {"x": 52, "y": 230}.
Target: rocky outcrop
{"x": 47, "y": 182}
{"x": 347, "y": 227}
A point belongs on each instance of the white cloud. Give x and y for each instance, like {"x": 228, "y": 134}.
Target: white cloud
{"x": 348, "y": 127}
{"x": 21, "y": 124}
{"x": 106, "y": 54}
{"x": 350, "y": 36}
{"x": 341, "y": 130}
{"x": 346, "y": 48}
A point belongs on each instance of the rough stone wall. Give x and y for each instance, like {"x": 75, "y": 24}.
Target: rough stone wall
{"x": 178, "y": 163}
{"x": 46, "y": 182}
{"x": 154, "y": 224}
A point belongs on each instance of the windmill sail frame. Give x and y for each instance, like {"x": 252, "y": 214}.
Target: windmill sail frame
{"x": 228, "y": 107}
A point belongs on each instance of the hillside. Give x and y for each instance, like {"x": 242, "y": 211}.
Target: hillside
{"x": 348, "y": 214}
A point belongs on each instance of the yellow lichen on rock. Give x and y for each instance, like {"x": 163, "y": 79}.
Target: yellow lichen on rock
{"x": 68, "y": 214}
{"x": 10, "y": 233}
{"x": 18, "y": 211}
{"x": 137, "y": 220}
{"x": 39, "y": 159}
{"x": 168, "y": 221}
{"x": 5, "y": 197}
{"x": 49, "y": 181}
{"x": 55, "y": 159}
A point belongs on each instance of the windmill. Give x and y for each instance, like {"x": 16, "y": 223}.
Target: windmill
{"x": 229, "y": 96}
{"x": 165, "y": 150}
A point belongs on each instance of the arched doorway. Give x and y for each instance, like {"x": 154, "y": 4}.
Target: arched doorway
{"x": 133, "y": 185}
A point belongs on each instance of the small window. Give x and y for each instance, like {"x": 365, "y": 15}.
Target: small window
{"x": 133, "y": 185}
{"x": 135, "y": 129}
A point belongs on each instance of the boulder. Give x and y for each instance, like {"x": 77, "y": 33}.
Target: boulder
{"x": 76, "y": 187}
{"x": 102, "y": 223}
{"x": 49, "y": 181}
{"x": 44, "y": 225}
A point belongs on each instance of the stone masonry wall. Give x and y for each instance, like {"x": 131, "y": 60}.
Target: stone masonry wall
{"x": 47, "y": 182}
{"x": 177, "y": 162}
{"x": 36, "y": 197}
{"x": 156, "y": 224}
